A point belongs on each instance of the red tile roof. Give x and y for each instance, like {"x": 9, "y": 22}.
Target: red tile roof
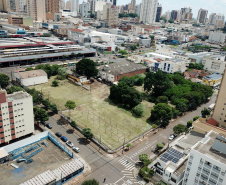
{"x": 76, "y": 30}
{"x": 212, "y": 122}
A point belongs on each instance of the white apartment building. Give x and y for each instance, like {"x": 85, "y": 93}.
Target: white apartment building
{"x": 207, "y": 161}
{"x": 214, "y": 63}
{"x": 16, "y": 115}
{"x": 217, "y": 37}
{"x": 74, "y": 7}
{"x": 148, "y": 11}
{"x": 37, "y": 10}
{"x": 172, "y": 66}
{"x": 84, "y": 9}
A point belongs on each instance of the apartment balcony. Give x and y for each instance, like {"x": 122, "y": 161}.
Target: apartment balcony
{"x": 207, "y": 166}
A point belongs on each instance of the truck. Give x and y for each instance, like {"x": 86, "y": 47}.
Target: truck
{"x": 211, "y": 106}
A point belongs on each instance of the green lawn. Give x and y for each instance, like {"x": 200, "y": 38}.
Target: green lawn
{"x": 94, "y": 110}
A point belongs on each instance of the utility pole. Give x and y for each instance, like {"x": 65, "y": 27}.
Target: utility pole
{"x": 100, "y": 143}
{"x": 123, "y": 145}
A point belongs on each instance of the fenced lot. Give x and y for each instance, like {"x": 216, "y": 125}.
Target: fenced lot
{"x": 109, "y": 123}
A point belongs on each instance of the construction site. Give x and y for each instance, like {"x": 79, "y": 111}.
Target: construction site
{"x": 40, "y": 159}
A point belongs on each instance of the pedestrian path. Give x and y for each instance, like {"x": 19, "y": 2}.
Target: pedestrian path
{"x": 129, "y": 166}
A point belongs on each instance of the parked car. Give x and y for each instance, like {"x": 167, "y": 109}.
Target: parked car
{"x": 76, "y": 149}
{"x": 114, "y": 57}
{"x": 69, "y": 143}
{"x": 63, "y": 138}
{"x": 172, "y": 137}
{"x": 49, "y": 126}
{"x": 58, "y": 134}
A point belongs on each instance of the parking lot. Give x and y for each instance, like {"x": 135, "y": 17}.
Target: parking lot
{"x": 50, "y": 158}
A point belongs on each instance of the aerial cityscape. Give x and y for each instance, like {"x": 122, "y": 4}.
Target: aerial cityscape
{"x": 112, "y": 92}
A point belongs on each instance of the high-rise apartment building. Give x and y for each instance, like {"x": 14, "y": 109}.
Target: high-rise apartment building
{"x": 62, "y": 4}
{"x": 148, "y": 11}
{"x": 173, "y": 15}
{"x": 84, "y": 9}
{"x": 68, "y": 5}
{"x": 16, "y": 115}
{"x": 37, "y": 10}
{"x": 202, "y": 15}
{"x": 158, "y": 13}
{"x": 138, "y": 9}
{"x": 4, "y": 5}
{"x": 219, "y": 112}
{"x": 207, "y": 161}
{"x": 132, "y": 6}
{"x": 186, "y": 14}
{"x": 211, "y": 17}
{"x": 74, "y": 7}
{"x": 53, "y": 10}
{"x": 114, "y": 2}
{"x": 110, "y": 14}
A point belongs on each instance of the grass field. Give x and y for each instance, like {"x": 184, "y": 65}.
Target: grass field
{"x": 95, "y": 111}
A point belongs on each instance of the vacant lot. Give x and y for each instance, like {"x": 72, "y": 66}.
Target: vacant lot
{"x": 94, "y": 110}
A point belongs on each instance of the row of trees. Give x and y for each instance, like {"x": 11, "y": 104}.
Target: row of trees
{"x": 198, "y": 66}
{"x": 133, "y": 15}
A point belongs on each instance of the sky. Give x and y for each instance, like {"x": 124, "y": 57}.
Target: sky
{"x": 213, "y": 6}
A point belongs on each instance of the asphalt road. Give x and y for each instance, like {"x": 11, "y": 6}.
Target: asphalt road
{"x": 119, "y": 170}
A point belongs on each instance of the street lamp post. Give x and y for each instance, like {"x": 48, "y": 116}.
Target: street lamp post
{"x": 123, "y": 146}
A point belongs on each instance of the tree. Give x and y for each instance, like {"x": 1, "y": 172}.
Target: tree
{"x": 162, "y": 99}
{"x": 128, "y": 145}
{"x": 123, "y": 52}
{"x": 61, "y": 73}
{"x": 144, "y": 158}
{"x": 55, "y": 83}
{"x": 152, "y": 37}
{"x": 70, "y": 104}
{"x": 29, "y": 69}
{"x": 73, "y": 124}
{"x": 13, "y": 89}
{"x": 171, "y": 21}
{"x": 157, "y": 82}
{"x": 161, "y": 114}
{"x": 138, "y": 110}
{"x": 91, "y": 182}
{"x": 46, "y": 103}
{"x": 40, "y": 114}
{"x": 4, "y": 80}
{"x": 178, "y": 129}
{"x": 133, "y": 47}
{"x": 87, "y": 133}
{"x": 160, "y": 146}
{"x": 195, "y": 118}
{"x": 125, "y": 96}
{"x": 53, "y": 108}
{"x": 86, "y": 67}
{"x": 129, "y": 81}
{"x": 36, "y": 95}
{"x": 205, "y": 112}
{"x": 189, "y": 124}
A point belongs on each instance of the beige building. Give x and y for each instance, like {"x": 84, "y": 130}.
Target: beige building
{"x": 16, "y": 115}
{"x": 112, "y": 16}
{"x": 52, "y": 9}
{"x": 219, "y": 112}
{"x": 68, "y": 5}
{"x": 37, "y": 10}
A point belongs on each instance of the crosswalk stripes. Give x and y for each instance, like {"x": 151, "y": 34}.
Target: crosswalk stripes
{"x": 129, "y": 166}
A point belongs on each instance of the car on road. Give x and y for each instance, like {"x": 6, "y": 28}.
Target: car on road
{"x": 76, "y": 149}
{"x": 49, "y": 126}
{"x": 58, "y": 134}
{"x": 63, "y": 138}
{"x": 114, "y": 57}
{"x": 69, "y": 143}
{"x": 172, "y": 137}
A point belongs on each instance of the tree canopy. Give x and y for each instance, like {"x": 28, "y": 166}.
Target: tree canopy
{"x": 178, "y": 129}
{"x": 123, "y": 52}
{"x": 161, "y": 114}
{"x": 160, "y": 146}
{"x": 51, "y": 70}
{"x": 205, "y": 112}
{"x": 133, "y": 15}
{"x": 40, "y": 114}
{"x": 36, "y": 95}
{"x": 87, "y": 133}
{"x": 70, "y": 104}
{"x": 124, "y": 95}
{"x": 133, "y": 47}
{"x": 13, "y": 89}
{"x": 198, "y": 66}
{"x": 4, "y": 80}
{"x": 86, "y": 67}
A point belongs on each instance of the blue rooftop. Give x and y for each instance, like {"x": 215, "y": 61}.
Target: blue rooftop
{"x": 214, "y": 76}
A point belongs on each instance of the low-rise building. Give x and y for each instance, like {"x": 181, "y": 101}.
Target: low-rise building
{"x": 16, "y": 115}
{"x": 212, "y": 80}
{"x": 217, "y": 37}
{"x": 114, "y": 72}
{"x": 33, "y": 77}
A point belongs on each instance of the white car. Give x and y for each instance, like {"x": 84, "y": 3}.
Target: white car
{"x": 76, "y": 149}
{"x": 172, "y": 136}
{"x": 69, "y": 143}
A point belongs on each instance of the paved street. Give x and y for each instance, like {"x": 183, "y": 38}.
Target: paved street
{"x": 119, "y": 170}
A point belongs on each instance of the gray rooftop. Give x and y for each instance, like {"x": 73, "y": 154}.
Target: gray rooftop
{"x": 205, "y": 147}
{"x": 121, "y": 67}
{"x": 17, "y": 95}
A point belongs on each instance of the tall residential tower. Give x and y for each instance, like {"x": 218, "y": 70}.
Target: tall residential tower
{"x": 148, "y": 11}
